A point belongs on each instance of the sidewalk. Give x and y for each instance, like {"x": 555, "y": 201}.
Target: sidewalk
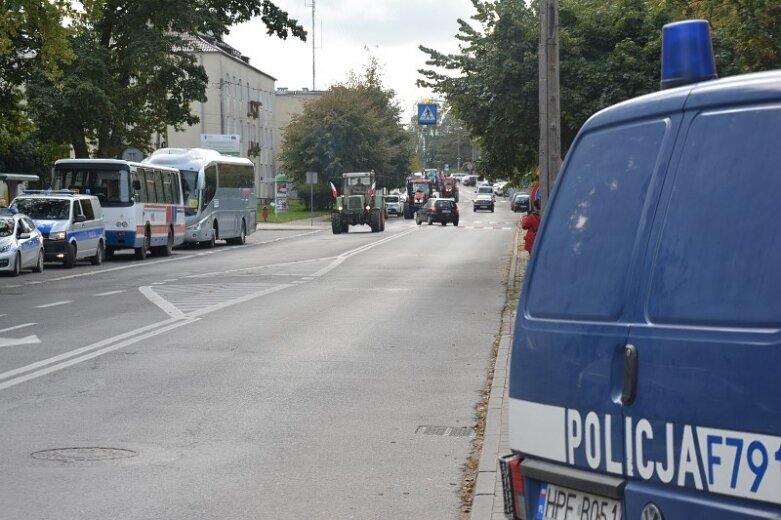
{"x": 306, "y": 224}
{"x": 488, "y": 500}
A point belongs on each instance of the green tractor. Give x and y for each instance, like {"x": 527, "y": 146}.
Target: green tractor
{"x": 359, "y": 203}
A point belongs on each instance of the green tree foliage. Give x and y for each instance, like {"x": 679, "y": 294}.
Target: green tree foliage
{"x": 609, "y": 52}
{"x": 492, "y": 84}
{"x": 745, "y": 33}
{"x": 352, "y": 127}
{"x": 133, "y": 74}
{"x": 32, "y": 40}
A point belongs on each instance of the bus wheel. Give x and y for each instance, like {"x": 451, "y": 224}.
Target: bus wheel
{"x": 213, "y": 239}
{"x": 140, "y": 252}
{"x": 242, "y": 238}
{"x": 167, "y": 248}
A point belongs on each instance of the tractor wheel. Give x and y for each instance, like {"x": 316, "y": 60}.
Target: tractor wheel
{"x": 374, "y": 221}
{"x": 336, "y": 224}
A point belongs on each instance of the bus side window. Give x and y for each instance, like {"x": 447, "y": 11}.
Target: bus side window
{"x": 211, "y": 184}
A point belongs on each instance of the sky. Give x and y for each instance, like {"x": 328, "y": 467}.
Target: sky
{"x": 347, "y": 33}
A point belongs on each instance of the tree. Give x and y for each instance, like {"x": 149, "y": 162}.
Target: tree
{"x": 352, "y": 127}
{"x": 32, "y": 40}
{"x": 134, "y": 74}
{"x": 495, "y": 94}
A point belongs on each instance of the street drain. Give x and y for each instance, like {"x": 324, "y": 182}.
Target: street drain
{"x": 446, "y": 431}
{"x": 89, "y": 454}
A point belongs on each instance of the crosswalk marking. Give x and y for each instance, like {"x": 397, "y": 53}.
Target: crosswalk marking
{"x": 198, "y": 299}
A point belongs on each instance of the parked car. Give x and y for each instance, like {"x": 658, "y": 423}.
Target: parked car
{"x": 21, "y": 244}
{"x": 483, "y": 201}
{"x": 438, "y": 210}
{"x": 521, "y": 202}
{"x": 469, "y": 180}
{"x": 394, "y": 205}
{"x": 71, "y": 224}
{"x": 499, "y": 188}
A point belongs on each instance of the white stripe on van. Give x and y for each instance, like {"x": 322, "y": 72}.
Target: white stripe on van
{"x": 538, "y": 429}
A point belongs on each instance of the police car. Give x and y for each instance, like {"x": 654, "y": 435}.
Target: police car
{"x": 644, "y": 371}
{"x": 21, "y": 244}
{"x": 71, "y": 224}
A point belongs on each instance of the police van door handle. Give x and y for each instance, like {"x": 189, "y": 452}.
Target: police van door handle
{"x": 629, "y": 381}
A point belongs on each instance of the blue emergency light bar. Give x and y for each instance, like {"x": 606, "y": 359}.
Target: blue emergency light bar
{"x": 687, "y": 53}
{"x": 49, "y": 192}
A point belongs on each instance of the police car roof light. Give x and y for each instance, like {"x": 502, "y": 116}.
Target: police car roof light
{"x": 49, "y": 192}
{"x": 687, "y": 53}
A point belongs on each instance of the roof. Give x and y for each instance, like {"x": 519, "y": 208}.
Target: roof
{"x": 18, "y": 177}
{"x": 356, "y": 174}
{"x": 757, "y": 88}
{"x": 202, "y": 43}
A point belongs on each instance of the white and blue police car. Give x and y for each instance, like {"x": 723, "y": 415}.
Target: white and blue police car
{"x": 71, "y": 224}
{"x": 21, "y": 244}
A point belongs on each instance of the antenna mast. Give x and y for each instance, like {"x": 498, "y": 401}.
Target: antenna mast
{"x": 311, "y": 3}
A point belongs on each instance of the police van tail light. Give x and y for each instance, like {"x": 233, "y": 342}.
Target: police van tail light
{"x": 512, "y": 486}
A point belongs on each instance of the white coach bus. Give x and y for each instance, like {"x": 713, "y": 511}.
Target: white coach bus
{"x": 219, "y": 193}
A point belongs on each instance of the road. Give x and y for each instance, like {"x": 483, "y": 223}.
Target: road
{"x": 302, "y": 375}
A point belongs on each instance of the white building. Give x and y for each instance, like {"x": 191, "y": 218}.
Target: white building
{"x": 240, "y": 102}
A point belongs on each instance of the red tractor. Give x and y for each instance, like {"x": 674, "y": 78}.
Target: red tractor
{"x": 449, "y": 188}
{"x": 419, "y": 190}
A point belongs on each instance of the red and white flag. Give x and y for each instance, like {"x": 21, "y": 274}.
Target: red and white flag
{"x": 333, "y": 189}
{"x": 373, "y": 189}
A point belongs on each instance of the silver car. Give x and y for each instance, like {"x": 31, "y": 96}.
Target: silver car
{"x": 21, "y": 244}
{"x": 394, "y": 205}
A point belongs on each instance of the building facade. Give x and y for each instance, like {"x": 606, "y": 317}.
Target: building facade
{"x": 288, "y": 103}
{"x": 240, "y": 102}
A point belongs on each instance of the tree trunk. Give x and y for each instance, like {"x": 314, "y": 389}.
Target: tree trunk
{"x": 79, "y": 144}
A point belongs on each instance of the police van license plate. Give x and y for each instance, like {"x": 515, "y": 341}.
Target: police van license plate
{"x": 559, "y": 503}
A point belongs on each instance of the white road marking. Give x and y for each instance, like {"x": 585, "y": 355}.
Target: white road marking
{"x": 109, "y": 293}
{"x": 54, "y": 304}
{"x": 171, "y": 324}
{"x": 23, "y": 325}
{"x": 12, "y": 342}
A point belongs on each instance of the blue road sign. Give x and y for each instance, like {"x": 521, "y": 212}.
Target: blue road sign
{"x": 427, "y": 114}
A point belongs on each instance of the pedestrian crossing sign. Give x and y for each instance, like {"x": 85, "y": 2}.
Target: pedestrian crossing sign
{"x": 427, "y": 114}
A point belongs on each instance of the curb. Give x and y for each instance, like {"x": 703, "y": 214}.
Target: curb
{"x": 487, "y": 500}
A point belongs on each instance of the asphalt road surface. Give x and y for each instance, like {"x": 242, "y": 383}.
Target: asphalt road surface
{"x": 302, "y": 375}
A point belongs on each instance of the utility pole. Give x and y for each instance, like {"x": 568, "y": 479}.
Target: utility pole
{"x": 550, "y": 117}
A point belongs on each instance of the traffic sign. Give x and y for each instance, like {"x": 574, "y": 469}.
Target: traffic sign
{"x": 427, "y": 114}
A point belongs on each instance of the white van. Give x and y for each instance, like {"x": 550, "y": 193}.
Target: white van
{"x": 71, "y": 224}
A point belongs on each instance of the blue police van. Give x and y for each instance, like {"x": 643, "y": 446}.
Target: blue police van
{"x": 644, "y": 378}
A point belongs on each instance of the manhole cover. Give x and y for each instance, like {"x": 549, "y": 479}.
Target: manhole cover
{"x": 83, "y": 454}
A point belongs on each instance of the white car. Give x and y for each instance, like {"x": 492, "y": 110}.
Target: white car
{"x": 394, "y": 205}
{"x": 21, "y": 244}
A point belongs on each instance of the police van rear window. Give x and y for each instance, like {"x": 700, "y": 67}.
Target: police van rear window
{"x": 720, "y": 250}
{"x": 586, "y": 245}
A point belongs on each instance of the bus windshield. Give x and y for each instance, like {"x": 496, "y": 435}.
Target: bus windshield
{"x": 111, "y": 186}
{"x": 189, "y": 184}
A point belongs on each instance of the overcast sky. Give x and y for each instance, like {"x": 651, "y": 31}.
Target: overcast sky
{"x": 390, "y": 29}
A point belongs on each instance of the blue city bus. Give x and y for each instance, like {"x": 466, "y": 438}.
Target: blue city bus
{"x": 644, "y": 373}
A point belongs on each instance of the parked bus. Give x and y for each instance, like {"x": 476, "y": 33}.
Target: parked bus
{"x": 142, "y": 203}
{"x": 219, "y": 191}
